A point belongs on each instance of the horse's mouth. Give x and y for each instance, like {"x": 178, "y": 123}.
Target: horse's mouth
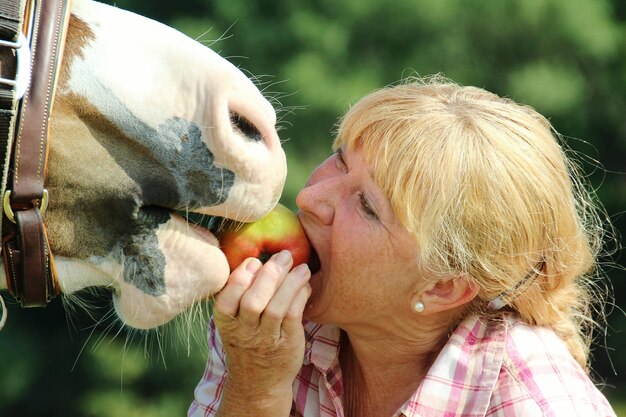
{"x": 210, "y": 224}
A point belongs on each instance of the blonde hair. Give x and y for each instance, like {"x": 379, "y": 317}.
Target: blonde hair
{"x": 484, "y": 186}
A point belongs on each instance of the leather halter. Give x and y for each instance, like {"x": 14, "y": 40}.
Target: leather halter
{"x": 34, "y": 32}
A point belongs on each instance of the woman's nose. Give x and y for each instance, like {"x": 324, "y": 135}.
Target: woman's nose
{"x": 317, "y": 198}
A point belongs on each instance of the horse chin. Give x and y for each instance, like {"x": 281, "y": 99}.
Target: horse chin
{"x": 141, "y": 311}
{"x": 195, "y": 269}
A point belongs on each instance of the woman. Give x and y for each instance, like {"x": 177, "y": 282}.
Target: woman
{"x": 456, "y": 246}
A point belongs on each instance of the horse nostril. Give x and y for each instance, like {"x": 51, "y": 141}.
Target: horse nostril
{"x": 245, "y": 127}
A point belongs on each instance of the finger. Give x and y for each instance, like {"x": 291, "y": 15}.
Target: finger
{"x": 227, "y": 301}
{"x": 262, "y": 289}
{"x": 277, "y": 308}
{"x": 292, "y": 323}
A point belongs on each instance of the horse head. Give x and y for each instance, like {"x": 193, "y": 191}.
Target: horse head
{"x": 148, "y": 123}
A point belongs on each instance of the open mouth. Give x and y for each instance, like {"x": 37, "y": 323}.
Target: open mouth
{"x": 206, "y": 226}
{"x": 211, "y": 223}
{"x": 314, "y": 261}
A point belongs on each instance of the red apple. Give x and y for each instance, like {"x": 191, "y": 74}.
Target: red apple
{"x": 278, "y": 230}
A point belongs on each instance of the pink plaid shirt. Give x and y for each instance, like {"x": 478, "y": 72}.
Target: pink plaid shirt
{"x": 505, "y": 369}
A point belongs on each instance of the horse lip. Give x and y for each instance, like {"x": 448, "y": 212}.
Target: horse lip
{"x": 201, "y": 226}
{"x": 204, "y": 233}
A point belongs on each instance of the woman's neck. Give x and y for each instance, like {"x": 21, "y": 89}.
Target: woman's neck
{"x": 378, "y": 378}
{"x": 375, "y": 385}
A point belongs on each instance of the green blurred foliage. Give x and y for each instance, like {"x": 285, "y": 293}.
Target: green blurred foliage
{"x": 567, "y": 58}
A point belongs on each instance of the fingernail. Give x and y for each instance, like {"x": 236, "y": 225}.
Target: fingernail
{"x": 283, "y": 257}
{"x": 301, "y": 270}
{"x": 253, "y": 265}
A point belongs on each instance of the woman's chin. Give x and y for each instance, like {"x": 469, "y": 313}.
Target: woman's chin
{"x": 313, "y": 310}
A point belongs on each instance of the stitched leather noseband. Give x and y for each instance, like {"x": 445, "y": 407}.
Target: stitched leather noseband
{"x": 31, "y": 38}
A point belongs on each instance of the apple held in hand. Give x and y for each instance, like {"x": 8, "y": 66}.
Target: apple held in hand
{"x": 278, "y": 230}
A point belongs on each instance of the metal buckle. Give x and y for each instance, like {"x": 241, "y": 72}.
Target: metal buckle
{"x": 3, "y": 319}
{"x": 8, "y": 211}
{"x": 22, "y": 72}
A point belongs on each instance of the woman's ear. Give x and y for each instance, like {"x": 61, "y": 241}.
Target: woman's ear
{"x": 446, "y": 294}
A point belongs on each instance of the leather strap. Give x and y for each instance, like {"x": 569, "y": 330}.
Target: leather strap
{"x": 30, "y": 270}
{"x": 12, "y": 15}
{"x": 35, "y": 261}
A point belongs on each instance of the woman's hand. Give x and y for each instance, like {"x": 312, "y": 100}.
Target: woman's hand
{"x": 259, "y": 318}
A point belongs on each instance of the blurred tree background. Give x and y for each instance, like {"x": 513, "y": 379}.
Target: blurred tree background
{"x": 567, "y": 58}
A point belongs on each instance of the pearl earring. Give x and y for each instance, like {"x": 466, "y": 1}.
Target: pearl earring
{"x": 418, "y": 307}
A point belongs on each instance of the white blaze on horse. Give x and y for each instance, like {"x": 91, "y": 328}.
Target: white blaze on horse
{"x": 147, "y": 122}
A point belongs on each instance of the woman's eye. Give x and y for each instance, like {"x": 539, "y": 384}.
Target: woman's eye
{"x": 367, "y": 208}
{"x": 341, "y": 163}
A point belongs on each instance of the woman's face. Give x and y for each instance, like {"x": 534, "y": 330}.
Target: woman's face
{"x": 369, "y": 268}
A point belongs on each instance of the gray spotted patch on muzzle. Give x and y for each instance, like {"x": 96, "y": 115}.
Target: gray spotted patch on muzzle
{"x": 144, "y": 263}
{"x": 195, "y": 179}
